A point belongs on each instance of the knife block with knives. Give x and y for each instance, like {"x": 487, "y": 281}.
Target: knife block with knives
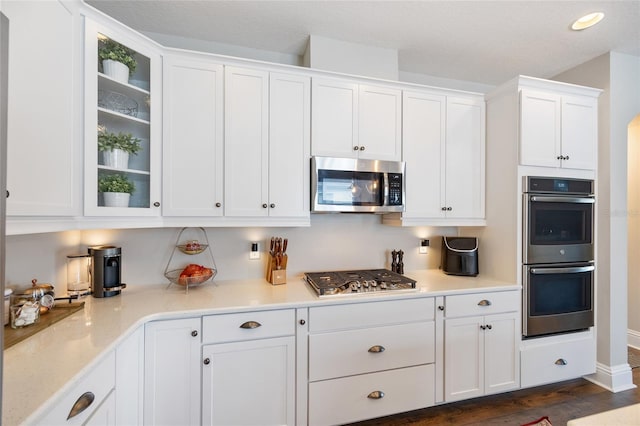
{"x": 277, "y": 265}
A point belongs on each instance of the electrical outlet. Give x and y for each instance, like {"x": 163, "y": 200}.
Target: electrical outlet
{"x": 254, "y": 254}
{"x": 423, "y": 246}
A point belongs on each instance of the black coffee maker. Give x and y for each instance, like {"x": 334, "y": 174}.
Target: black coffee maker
{"x": 106, "y": 267}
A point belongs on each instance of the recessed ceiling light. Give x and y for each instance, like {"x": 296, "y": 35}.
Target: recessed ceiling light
{"x": 587, "y": 21}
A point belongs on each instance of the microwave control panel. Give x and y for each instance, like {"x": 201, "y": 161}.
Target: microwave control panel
{"x": 395, "y": 189}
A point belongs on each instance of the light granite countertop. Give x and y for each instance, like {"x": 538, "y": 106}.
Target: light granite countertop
{"x": 52, "y": 361}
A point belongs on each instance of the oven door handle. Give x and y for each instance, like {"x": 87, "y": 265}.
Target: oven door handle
{"x": 575, "y": 200}
{"x": 569, "y": 270}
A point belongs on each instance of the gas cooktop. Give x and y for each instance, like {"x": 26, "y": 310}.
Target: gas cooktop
{"x": 367, "y": 281}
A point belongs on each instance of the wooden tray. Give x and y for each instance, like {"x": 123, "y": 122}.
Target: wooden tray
{"x": 59, "y": 312}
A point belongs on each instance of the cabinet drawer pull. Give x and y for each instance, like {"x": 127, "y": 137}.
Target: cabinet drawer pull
{"x": 85, "y": 400}
{"x": 484, "y": 302}
{"x": 251, "y": 324}
{"x": 376, "y": 349}
{"x": 376, "y": 395}
{"x": 561, "y": 361}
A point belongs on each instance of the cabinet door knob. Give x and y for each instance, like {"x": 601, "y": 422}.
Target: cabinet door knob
{"x": 362, "y": 148}
{"x": 194, "y": 333}
{"x": 376, "y": 349}
{"x": 302, "y": 322}
{"x": 559, "y": 157}
{"x": 566, "y": 157}
{"x": 449, "y": 209}
{"x": 441, "y": 308}
{"x": 483, "y": 327}
{"x": 484, "y": 302}
{"x": 207, "y": 361}
{"x": 376, "y": 395}
{"x": 218, "y": 204}
{"x": 156, "y": 204}
{"x": 264, "y": 206}
{"x": 489, "y": 327}
{"x": 81, "y": 404}
{"x": 251, "y": 325}
{"x": 561, "y": 361}
{"x": 355, "y": 148}
{"x": 272, "y": 205}
{"x": 444, "y": 209}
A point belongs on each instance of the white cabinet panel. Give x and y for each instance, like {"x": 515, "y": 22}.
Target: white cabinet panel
{"x": 335, "y": 118}
{"x": 130, "y": 379}
{"x": 423, "y": 147}
{"x": 464, "y": 158}
{"x": 579, "y": 132}
{"x": 193, "y": 137}
{"x": 289, "y": 145}
{"x": 355, "y": 398}
{"x": 540, "y": 129}
{"x": 380, "y": 123}
{"x": 558, "y": 130}
{"x": 358, "y": 351}
{"x": 249, "y": 383}
{"x": 172, "y": 372}
{"x": 44, "y": 137}
{"x": 246, "y": 142}
{"x": 99, "y": 382}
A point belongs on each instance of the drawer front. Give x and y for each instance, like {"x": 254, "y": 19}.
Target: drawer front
{"x": 346, "y": 353}
{"x": 248, "y": 326}
{"x": 370, "y": 314}
{"x": 481, "y": 303}
{"x": 347, "y": 399}
{"x": 557, "y": 362}
{"x": 100, "y": 381}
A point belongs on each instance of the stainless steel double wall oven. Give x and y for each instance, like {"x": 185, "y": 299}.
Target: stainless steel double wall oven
{"x": 558, "y": 255}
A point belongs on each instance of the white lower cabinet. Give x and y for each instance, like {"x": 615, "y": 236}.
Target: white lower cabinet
{"x": 481, "y": 353}
{"x": 130, "y": 379}
{"x": 249, "y": 369}
{"x": 91, "y": 401}
{"x": 172, "y": 372}
{"x": 558, "y": 358}
{"x": 365, "y": 396}
{"x": 370, "y": 359}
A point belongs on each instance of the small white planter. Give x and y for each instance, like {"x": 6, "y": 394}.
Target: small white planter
{"x": 117, "y": 159}
{"x": 116, "y": 199}
{"x": 116, "y": 70}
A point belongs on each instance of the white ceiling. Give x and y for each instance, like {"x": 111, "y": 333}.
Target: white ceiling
{"x": 486, "y": 42}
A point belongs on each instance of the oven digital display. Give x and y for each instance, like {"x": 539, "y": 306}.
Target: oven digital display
{"x": 560, "y": 185}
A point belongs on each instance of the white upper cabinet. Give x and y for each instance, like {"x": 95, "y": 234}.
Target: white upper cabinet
{"x": 129, "y": 106}
{"x": 246, "y": 141}
{"x": 356, "y": 121}
{"x": 423, "y": 121}
{"x": 192, "y": 137}
{"x": 444, "y": 150}
{"x": 464, "y": 158}
{"x": 289, "y": 145}
{"x": 44, "y": 128}
{"x": 558, "y": 130}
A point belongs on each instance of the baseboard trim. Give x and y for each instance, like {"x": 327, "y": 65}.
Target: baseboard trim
{"x": 633, "y": 339}
{"x": 615, "y": 379}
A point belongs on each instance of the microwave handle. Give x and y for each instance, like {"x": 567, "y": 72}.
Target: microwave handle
{"x": 580, "y": 200}
{"x": 570, "y": 270}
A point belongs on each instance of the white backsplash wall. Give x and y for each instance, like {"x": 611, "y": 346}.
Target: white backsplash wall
{"x": 333, "y": 242}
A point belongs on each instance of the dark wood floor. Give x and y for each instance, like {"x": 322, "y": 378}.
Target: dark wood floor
{"x": 561, "y": 402}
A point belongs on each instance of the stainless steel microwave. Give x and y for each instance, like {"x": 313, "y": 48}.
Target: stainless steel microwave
{"x": 357, "y": 185}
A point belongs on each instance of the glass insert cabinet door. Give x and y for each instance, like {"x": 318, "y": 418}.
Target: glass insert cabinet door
{"x": 122, "y": 110}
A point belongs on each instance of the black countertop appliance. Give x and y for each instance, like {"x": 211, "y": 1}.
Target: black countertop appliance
{"x": 460, "y": 256}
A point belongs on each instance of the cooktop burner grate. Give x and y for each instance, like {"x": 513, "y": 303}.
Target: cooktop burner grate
{"x": 364, "y": 281}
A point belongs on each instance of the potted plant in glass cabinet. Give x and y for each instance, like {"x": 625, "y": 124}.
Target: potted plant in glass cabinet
{"x": 116, "y": 189}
